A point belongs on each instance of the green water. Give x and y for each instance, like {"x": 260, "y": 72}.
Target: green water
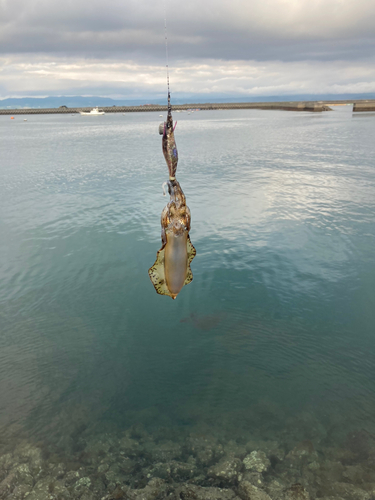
{"x": 279, "y": 319}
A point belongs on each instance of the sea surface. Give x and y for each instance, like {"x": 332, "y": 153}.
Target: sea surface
{"x": 279, "y": 320}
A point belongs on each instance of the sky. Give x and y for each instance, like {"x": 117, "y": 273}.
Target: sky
{"x": 224, "y": 48}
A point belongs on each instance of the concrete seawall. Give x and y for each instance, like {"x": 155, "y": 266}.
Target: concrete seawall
{"x": 312, "y": 106}
{"x": 364, "y": 106}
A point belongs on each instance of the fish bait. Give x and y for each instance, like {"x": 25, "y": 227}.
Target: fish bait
{"x": 169, "y": 142}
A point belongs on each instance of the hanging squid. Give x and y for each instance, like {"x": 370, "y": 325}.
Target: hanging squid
{"x": 171, "y": 270}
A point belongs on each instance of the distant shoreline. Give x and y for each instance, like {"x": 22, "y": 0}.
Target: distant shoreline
{"x": 312, "y": 106}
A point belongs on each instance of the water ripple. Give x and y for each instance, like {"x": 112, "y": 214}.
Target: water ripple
{"x": 281, "y": 305}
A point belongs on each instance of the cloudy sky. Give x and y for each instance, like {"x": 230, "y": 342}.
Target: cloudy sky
{"x": 116, "y": 48}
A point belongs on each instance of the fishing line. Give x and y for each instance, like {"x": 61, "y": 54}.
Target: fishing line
{"x": 166, "y": 52}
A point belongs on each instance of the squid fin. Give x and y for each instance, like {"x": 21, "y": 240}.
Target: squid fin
{"x": 189, "y": 276}
{"x": 191, "y": 254}
{"x": 190, "y": 250}
{"x": 157, "y": 274}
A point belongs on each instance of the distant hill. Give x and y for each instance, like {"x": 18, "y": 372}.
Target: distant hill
{"x": 69, "y": 101}
{"x": 79, "y": 101}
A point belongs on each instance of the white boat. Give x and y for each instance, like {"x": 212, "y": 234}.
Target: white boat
{"x": 94, "y": 112}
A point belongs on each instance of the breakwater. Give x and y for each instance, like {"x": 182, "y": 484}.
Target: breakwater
{"x": 313, "y": 106}
{"x": 361, "y": 106}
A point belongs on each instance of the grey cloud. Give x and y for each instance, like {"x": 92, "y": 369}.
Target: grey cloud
{"x": 52, "y": 76}
{"x": 284, "y": 30}
{"x": 216, "y": 47}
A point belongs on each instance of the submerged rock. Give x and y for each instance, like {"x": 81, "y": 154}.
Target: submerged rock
{"x": 346, "y": 491}
{"x": 19, "y": 493}
{"x": 173, "y": 471}
{"x": 58, "y": 471}
{"x": 355, "y": 474}
{"x": 330, "y": 472}
{"x": 206, "y": 449}
{"x": 114, "y": 476}
{"x": 6, "y": 463}
{"x": 227, "y": 469}
{"x": 164, "y": 452}
{"x": 59, "y": 491}
{"x": 255, "y": 478}
{"x": 129, "y": 446}
{"x": 248, "y": 491}
{"x": 296, "y": 492}
{"x": 256, "y": 461}
{"x": 303, "y": 455}
{"x": 71, "y": 478}
{"x": 192, "y": 492}
{"x": 303, "y": 448}
{"x": 26, "y": 453}
{"x": 8, "y": 484}
{"x": 156, "y": 489}
{"x": 23, "y": 475}
{"x": 42, "y": 489}
{"x": 99, "y": 445}
{"x": 360, "y": 443}
{"x": 234, "y": 449}
{"x": 275, "y": 489}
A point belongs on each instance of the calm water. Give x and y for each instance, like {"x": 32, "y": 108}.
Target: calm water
{"x": 279, "y": 319}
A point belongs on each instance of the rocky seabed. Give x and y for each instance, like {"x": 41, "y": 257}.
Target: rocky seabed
{"x": 193, "y": 465}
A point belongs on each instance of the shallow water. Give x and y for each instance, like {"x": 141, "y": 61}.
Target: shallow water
{"x": 279, "y": 319}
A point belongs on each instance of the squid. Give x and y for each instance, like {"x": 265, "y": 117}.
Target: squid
{"x": 171, "y": 270}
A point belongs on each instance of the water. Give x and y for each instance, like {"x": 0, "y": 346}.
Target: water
{"x": 278, "y": 323}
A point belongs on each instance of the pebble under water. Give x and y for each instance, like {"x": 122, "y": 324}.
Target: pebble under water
{"x": 257, "y": 382}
